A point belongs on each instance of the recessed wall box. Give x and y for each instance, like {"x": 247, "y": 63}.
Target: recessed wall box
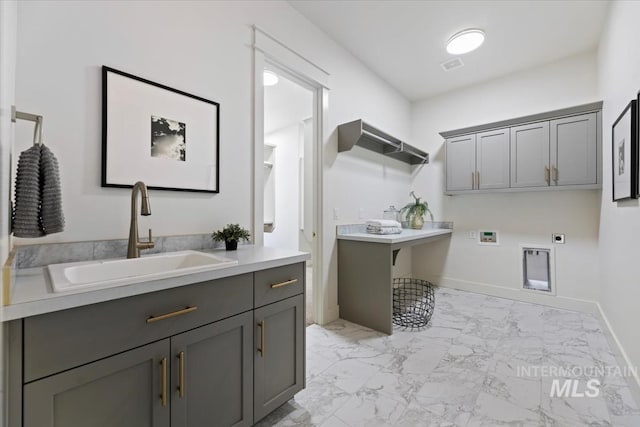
{"x": 538, "y": 269}
{"x": 486, "y": 237}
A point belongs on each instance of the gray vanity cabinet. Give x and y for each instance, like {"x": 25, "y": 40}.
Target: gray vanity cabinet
{"x": 279, "y": 355}
{"x": 212, "y": 374}
{"x": 182, "y": 357}
{"x": 125, "y": 390}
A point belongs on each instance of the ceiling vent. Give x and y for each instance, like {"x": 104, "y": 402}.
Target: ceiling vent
{"x": 452, "y": 64}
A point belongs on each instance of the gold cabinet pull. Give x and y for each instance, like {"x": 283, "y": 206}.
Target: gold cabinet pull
{"x": 473, "y": 180}
{"x": 261, "y": 349}
{"x": 554, "y": 173}
{"x": 186, "y": 310}
{"x": 281, "y": 284}
{"x": 546, "y": 174}
{"x": 478, "y": 175}
{"x": 181, "y": 374}
{"x": 163, "y": 394}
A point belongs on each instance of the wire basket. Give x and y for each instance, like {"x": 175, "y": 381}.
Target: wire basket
{"x": 413, "y": 302}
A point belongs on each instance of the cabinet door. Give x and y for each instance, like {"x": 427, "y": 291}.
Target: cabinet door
{"x": 461, "y": 163}
{"x": 279, "y": 355}
{"x": 212, "y": 374}
{"x": 573, "y": 150}
{"x": 492, "y": 149}
{"x": 530, "y": 155}
{"x": 125, "y": 390}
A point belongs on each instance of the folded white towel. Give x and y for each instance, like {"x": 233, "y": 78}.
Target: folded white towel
{"x": 384, "y": 230}
{"x": 384, "y": 223}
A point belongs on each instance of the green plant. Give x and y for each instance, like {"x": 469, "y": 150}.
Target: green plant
{"x": 231, "y": 233}
{"x": 416, "y": 208}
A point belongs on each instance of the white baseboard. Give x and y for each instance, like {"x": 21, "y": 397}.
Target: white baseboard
{"x": 566, "y": 303}
{"x": 621, "y": 354}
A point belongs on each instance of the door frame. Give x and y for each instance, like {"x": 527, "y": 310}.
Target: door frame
{"x": 267, "y": 50}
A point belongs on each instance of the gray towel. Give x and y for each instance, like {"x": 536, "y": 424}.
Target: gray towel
{"x": 38, "y": 202}
{"x": 50, "y": 193}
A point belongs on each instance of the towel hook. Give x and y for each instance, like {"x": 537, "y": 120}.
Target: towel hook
{"x": 37, "y": 132}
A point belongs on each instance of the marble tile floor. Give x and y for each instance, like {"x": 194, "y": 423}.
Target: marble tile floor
{"x": 467, "y": 368}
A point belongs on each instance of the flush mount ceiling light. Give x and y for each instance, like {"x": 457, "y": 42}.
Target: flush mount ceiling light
{"x": 465, "y": 41}
{"x": 269, "y": 78}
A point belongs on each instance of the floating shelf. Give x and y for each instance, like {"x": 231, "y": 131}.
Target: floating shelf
{"x": 366, "y": 136}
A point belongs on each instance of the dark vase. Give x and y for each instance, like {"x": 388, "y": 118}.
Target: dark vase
{"x": 231, "y": 245}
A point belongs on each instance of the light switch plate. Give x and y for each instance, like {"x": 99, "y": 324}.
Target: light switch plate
{"x": 558, "y": 238}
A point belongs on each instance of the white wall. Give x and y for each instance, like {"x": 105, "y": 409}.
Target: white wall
{"x": 8, "y": 19}
{"x": 520, "y": 217}
{"x": 202, "y": 48}
{"x": 287, "y": 180}
{"x": 618, "y": 83}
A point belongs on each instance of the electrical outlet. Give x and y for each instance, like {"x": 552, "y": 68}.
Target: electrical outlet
{"x": 360, "y": 213}
{"x": 558, "y": 238}
{"x": 473, "y": 234}
{"x": 336, "y": 214}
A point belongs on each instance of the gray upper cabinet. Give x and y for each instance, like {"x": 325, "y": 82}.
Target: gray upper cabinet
{"x": 530, "y": 155}
{"x": 125, "y": 390}
{"x": 212, "y": 374}
{"x": 279, "y": 355}
{"x": 461, "y": 163}
{"x": 478, "y": 161}
{"x": 574, "y": 150}
{"x": 554, "y": 150}
{"x": 492, "y": 159}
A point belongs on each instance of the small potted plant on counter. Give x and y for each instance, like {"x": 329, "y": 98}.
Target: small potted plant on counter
{"x": 230, "y": 234}
{"x": 415, "y": 212}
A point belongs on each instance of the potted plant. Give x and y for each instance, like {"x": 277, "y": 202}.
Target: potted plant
{"x": 230, "y": 234}
{"x": 415, "y": 212}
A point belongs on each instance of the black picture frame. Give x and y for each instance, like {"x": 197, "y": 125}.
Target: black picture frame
{"x": 624, "y": 154}
{"x": 637, "y": 146}
{"x": 165, "y": 137}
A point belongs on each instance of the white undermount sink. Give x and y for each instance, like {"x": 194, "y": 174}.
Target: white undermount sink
{"x": 116, "y": 272}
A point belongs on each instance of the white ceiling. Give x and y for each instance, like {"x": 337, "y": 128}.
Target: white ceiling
{"x": 404, "y": 41}
{"x": 285, "y": 104}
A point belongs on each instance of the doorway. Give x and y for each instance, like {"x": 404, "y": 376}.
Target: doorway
{"x": 271, "y": 53}
{"x": 288, "y": 169}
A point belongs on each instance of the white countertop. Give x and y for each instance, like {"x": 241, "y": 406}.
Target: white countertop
{"x": 32, "y": 293}
{"x": 407, "y": 235}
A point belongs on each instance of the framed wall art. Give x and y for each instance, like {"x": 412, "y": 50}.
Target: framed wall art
{"x": 624, "y": 153}
{"x": 162, "y": 136}
{"x": 637, "y": 147}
